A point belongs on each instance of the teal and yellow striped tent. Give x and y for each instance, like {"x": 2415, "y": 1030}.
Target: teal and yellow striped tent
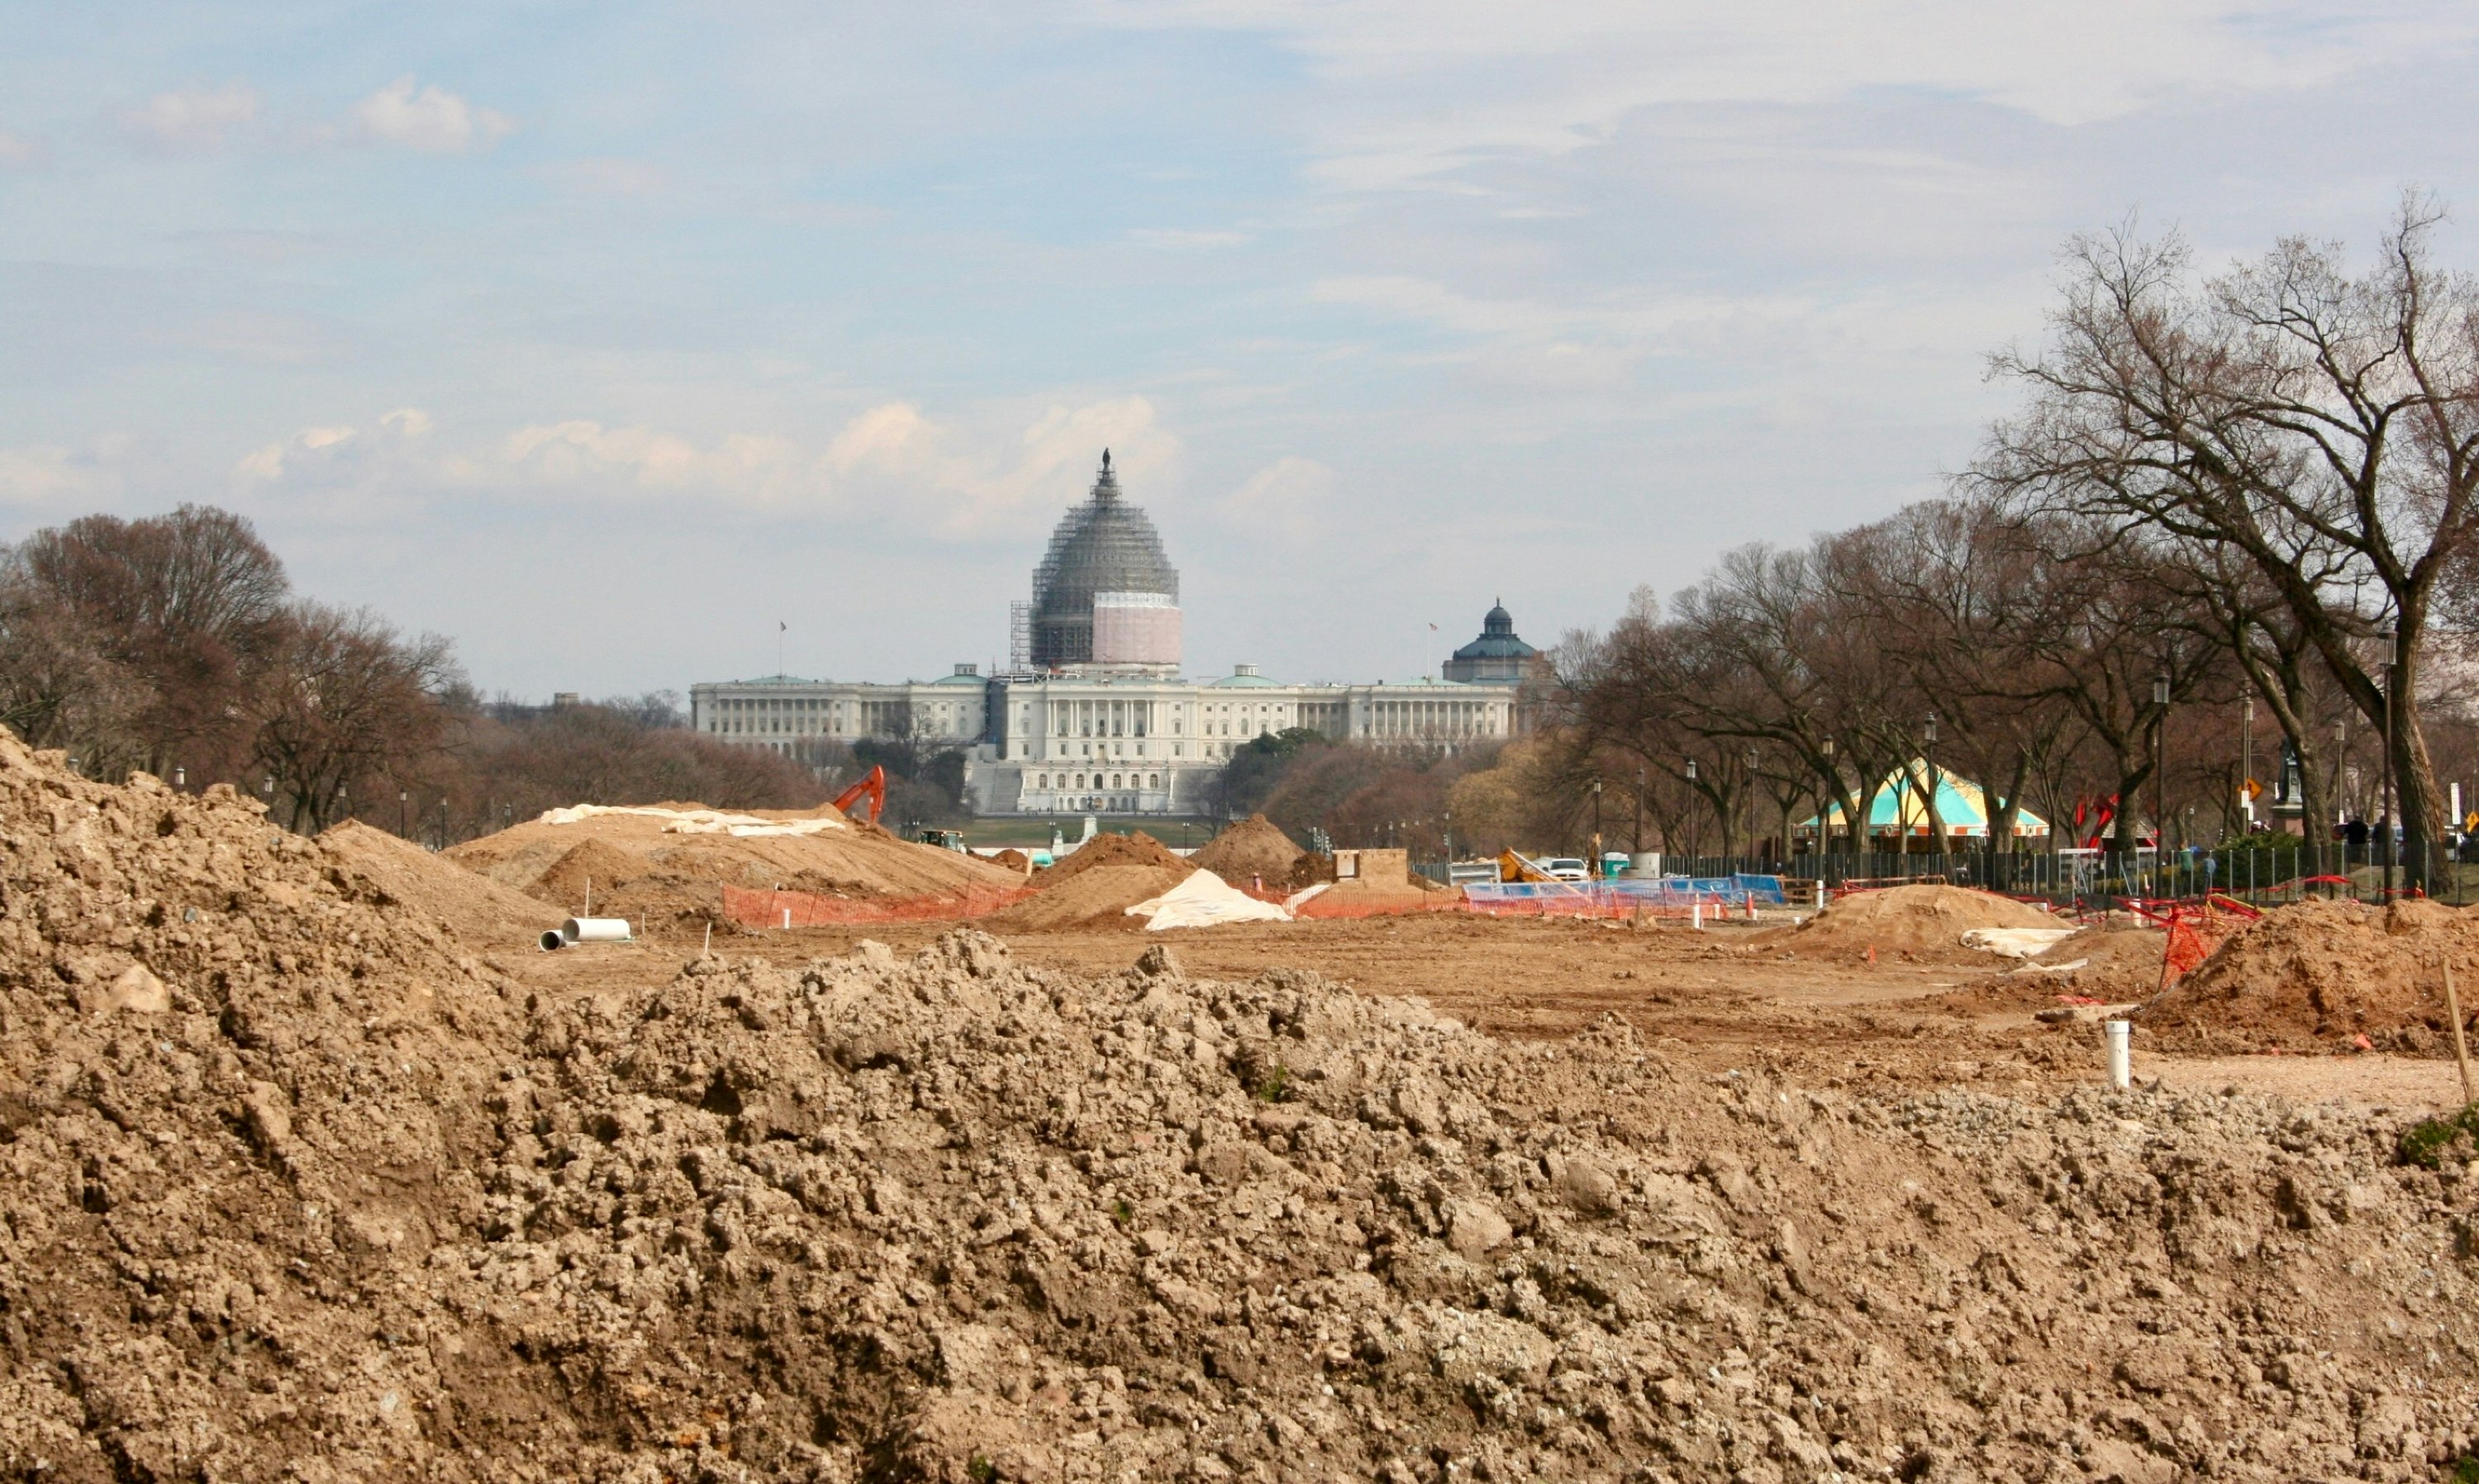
{"x": 1899, "y": 810}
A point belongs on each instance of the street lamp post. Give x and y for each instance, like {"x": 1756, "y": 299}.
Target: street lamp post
{"x": 1824, "y": 801}
{"x": 180, "y": 779}
{"x": 2160, "y": 772}
{"x": 1694, "y": 835}
{"x": 1635, "y": 841}
{"x": 2246, "y": 763}
{"x": 1751, "y": 803}
{"x": 401, "y": 795}
{"x": 1927, "y": 805}
{"x": 2391, "y": 808}
{"x": 1597, "y": 828}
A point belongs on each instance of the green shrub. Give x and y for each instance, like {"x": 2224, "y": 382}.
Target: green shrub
{"x": 2423, "y": 1143}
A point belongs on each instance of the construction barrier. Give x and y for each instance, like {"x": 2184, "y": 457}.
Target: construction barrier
{"x": 1712, "y": 898}
{"x": 753, "y": 908}
{"x": 1327, "y": 904}
{"x": 2196, "y": 925}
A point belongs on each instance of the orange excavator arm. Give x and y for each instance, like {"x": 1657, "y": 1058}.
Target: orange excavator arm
{"x": 872, "y": 787}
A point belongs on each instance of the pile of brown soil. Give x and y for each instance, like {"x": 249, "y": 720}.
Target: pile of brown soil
{"x": 243, "y": 1084}
{"x": 483, "y": 913}
{"x": 641, "y": 871}
{"x": 288, "y": 1191}
{"x": 1250, "y": 851}
{"x": 2119, "y": 964}
{"x": 2318, "y": 975}
{"x": 1916, "y": 922}
{"x": 1099, "y": 895}
{"x": 1014, "y": 861}
{"x": 1109, "y": 850}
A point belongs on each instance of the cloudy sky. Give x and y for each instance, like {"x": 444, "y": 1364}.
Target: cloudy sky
{"x": 604, "y": 336}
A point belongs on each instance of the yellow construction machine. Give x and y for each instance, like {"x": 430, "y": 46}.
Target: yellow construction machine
{"x": 1513, "y": 866}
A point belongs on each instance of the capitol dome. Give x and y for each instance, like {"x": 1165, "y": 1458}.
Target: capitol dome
{"x": 1102, "y": 547}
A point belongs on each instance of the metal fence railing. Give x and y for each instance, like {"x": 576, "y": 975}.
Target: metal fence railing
{"x": 2275, "y": 872}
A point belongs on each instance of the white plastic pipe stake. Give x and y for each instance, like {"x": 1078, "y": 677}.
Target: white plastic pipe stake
{"x": 1699, "y": 910}
{"x": 787, "y": 919}
{"x": 2121, "y": 1054}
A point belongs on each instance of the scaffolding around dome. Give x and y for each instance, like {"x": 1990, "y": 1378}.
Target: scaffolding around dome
{"x": 1106, "y": 548}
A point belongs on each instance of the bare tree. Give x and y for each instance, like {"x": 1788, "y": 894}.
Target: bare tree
{"x": 2324, "y": 427}
{"x": 347, "y": 697}
{"x": 190, "y": 603}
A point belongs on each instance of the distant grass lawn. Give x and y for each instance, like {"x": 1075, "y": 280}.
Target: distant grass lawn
{"x": 1034, "y": 830}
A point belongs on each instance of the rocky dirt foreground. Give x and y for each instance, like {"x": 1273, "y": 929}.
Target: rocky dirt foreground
{"x": 291, "y": 1189}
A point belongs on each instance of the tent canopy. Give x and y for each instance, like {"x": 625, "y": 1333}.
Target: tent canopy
{"x": 1900, "y": 809}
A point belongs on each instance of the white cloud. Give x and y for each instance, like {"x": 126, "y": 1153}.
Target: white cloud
{"x": 1550, "y": 79}
{"x": 1172, "y": 239}
{"x": 431, "y": 119}
{"x": 605, "y": 175}
{"x": 998, "y": 471}
{"x": 18, "y": 151}
{"x": 1290, "y": 495}
{"x": 52, "y": 477}
{"x": 196, "y": 119}
{"x": 969, "y": 482}
{"x": 748, "y": 468}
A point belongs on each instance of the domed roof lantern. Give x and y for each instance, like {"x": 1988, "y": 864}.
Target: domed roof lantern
{"x": 1498, "y": 621}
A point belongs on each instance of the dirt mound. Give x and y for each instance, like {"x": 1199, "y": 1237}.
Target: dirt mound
{"x": 241, "y": 1078}
{"x": 1108, "y": 850}
{"x": 1014, "y": 861}
{"x": 1250, "y": 850}
{"x": 1920, "y": 922}
{"x": 655, "y": 871}
{"x": 588, "y": 871}
{"x": 483, "y": 913}
{"x": 2318, "y": 975}
{"x": 336, "y": 1210}
{"x": 2118, "y": 964}
{"x": 1098, "y": 895}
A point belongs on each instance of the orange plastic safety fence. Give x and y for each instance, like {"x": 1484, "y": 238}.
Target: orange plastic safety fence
{"x": 1323, "y": 905}
{"x": 756, "y": 908}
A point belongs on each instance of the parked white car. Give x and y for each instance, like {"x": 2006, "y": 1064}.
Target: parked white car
{"x": 1566, "y": 868}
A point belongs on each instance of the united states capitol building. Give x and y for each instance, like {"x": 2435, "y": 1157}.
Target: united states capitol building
{"x": 1092, "y": 714}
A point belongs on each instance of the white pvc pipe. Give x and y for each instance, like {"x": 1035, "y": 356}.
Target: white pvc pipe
{"x": 2121, "y": 1054}
{"x": 788, "y": 918}
{"x": 551, "y": 940}
{"x": 1699, "y": 910}
{"x": 595, "y": 930}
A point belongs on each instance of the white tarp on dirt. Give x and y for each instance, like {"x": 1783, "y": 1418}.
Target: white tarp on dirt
{"x": 1201, "y": 901}
{"x": 2016, "y": 942}
{"x": 696, "y": 821}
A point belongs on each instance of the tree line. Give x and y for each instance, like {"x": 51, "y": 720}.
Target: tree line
{"x": 2227, "y": 505}
{"x": 175, "y": 644}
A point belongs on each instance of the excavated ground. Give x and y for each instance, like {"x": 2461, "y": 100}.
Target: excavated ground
{"x": 298, "y": 1182}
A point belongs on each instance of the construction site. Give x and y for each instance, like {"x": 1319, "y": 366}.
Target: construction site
{"x": 668, "y": 1143}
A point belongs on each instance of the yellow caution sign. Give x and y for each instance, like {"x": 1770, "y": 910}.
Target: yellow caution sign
{"x": 2252, "y": 789}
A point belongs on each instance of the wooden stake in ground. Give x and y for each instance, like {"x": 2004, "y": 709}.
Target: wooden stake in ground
{"x": 2460, "y": 1047}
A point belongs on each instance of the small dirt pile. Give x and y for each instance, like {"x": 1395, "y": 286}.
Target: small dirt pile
{"x": 1097, "y": 897}
{"x": 642, "y": 867}
{"x": 1109, "y": 849}
{"x": 1095, "y": 884}
{"x": 2118, "y": 964}
{"x": 1250, "y": 851}
{"x": 483, "y": 913}
{"x": 2318, "y": 975}
{"x": 1919, "y": 922}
